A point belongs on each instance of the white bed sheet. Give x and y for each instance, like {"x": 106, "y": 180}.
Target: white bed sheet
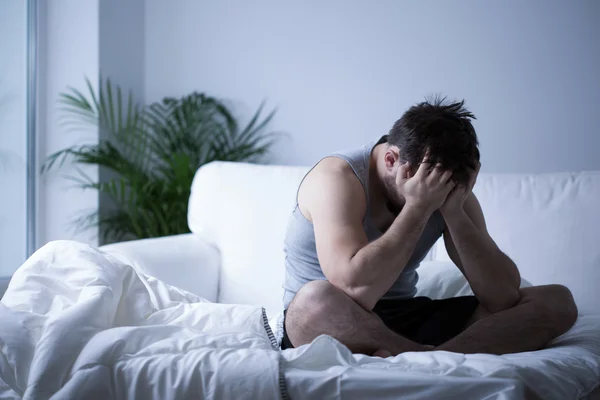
{"x": 568, "y": 369}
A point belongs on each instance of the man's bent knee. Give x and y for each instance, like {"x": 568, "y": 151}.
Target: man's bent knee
{"x": 315, "y": 289}
{"x": 311, "y": 308}
{"x": 564, "y": 309}
{"x": 555, "y": 304}
{"x": 313, "y": 300}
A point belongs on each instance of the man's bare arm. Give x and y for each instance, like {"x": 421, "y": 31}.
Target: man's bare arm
{"x": 336, "y": 202}
{"x": 493, "y": 276}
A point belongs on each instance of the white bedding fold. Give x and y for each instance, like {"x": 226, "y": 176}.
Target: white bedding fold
{"x": 77, "y": 323}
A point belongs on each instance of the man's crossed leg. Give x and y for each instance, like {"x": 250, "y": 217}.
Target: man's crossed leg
{"x": 542, "y": 313}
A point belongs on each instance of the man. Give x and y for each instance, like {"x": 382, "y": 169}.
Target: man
{"x": 364, "y": 221}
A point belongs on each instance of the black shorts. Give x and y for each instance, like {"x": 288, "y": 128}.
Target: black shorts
{"x": 420, "y": 319}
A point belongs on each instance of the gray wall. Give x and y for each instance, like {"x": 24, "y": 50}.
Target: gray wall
{"x": 68, "y": 52}
{"x": 121, "y": 43}
{"x": 121, "y": 58}
{"x": 342, "y": 72}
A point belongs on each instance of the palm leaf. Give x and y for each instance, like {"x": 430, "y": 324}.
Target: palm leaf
{"x": 153, "y": 153}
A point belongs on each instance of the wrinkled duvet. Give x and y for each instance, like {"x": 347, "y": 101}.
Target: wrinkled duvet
{"x": 76, "y": 323}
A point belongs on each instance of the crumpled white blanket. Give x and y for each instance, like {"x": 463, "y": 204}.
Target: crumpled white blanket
{"x": 76, "y": 323}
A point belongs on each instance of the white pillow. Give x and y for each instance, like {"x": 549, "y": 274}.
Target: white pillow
{"x": 442, "y": 280}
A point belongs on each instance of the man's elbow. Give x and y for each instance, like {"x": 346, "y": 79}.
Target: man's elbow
{"x": 361, "y": 294}
{"x": 355, "y": 286}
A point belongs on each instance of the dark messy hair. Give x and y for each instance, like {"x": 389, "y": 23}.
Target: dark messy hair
{"x": 442, "y": 127}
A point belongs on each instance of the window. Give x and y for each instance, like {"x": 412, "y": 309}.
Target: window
{"x": 17, "y": 144}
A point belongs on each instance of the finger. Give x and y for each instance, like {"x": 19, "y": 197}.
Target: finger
{"x": 423, "y": 170}
{"x": 446, "y": 176}
{"x": 404, "y": 171}
{"x": 450, "y": 187}
{"x": 473, "y": 176}
{"x": 425, "y": 166}
{"x": 472, "y": 183}
{"x": 436, "y": 172}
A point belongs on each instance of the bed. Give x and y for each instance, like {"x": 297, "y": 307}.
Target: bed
{"x": 80, "y": 323}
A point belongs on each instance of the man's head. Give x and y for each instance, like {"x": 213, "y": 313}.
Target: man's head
{"x": 441, "y": 128}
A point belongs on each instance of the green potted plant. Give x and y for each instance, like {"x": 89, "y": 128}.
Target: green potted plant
{"x": 148, "y": 155}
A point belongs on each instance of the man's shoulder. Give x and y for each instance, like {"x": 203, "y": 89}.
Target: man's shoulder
{"x": 332, "y": 173}
{"x": 332, "y": 165}
{"x": 331, "y": 183}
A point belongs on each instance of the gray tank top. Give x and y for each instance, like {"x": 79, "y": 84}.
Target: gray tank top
{"x": 301, "y": 262}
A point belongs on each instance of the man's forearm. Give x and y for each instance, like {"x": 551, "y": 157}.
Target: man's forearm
{"x": 377, "y": 265}
{"x": 493, "y": 276}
